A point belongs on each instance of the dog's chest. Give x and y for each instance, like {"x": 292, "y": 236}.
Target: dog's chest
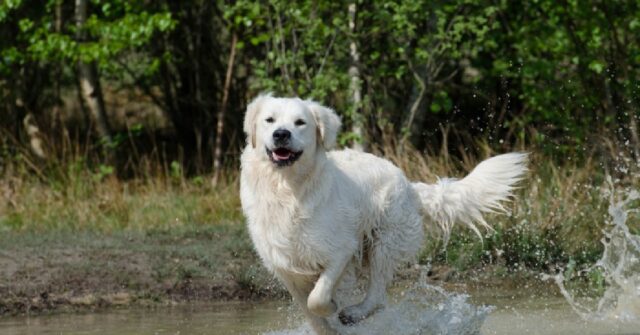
{"x": 287, "y": 237}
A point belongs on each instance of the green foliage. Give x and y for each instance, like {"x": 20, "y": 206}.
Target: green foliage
{"x": 553, "y": 74}
{"x": 176, "y": 170}
{"x": 103, "y": 171}
{"x": 113, "y": 27}
{"x": 402, "y": 43}
{"x": 565, "y": 69}
{"x": 7, "y": 6}
{"x": 297, "y": 43}
{"x": 42, "y": 44}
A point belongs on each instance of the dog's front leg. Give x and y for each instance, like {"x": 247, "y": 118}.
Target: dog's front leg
{"x": 320, "y": 301}
{"x": 299, "y": 289}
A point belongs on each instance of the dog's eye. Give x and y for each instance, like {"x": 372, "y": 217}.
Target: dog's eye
{"x": 269, "y": 120}
{"x": 300, "y": 122}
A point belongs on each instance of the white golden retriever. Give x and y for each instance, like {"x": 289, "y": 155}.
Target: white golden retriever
{"x": 314, "y": 214}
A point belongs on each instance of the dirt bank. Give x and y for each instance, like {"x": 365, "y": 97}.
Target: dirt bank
{"x": 63, "y": 270}
{"x": 45, "y": 271}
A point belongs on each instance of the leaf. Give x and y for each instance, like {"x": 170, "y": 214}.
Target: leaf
{"x": 435, "y": 107}
{"x": 25, "y": 25}
{"x": 596, "y": 66}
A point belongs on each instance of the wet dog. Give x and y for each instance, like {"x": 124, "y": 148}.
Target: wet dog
{"x": 313, "y": 213}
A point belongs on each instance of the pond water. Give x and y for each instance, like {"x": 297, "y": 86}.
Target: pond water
{"x": 514, "y": 313}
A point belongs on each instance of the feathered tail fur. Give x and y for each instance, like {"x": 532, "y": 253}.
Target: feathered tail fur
{"x": 465, "y": 200}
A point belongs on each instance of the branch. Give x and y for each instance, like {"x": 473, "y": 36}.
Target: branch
{"x": 326, "y": 53}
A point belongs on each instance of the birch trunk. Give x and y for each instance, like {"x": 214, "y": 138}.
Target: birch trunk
{"x": 355, "y": 88}
{"x": 217, "y": 154}
{"x": 89, "y": 81}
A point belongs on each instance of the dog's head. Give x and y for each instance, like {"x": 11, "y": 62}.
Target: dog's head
{"x": 288, "y": 129}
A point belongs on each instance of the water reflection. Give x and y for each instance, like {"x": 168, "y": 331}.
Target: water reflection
{"x": 514, "y": 314}
{"x": 213, "y": 318}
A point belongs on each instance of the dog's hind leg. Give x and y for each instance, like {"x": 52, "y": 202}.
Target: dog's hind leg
{"x": 381, "y": 272}
{"x": 395, "y": 242}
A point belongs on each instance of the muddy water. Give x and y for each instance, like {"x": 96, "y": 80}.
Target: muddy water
{"x": 542, "y": 312}
{"x": 213, "y": 318}
{"x": 515, "y": 313}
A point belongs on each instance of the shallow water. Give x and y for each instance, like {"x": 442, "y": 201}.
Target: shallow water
{"x": 545, "y": 314}
{"x": 197, "y": 318}
{"x": 514, "y": 313}
{"x": 619, "y": 266}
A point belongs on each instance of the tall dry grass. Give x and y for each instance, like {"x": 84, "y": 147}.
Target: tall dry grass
{"x": 556, "y": 216}
{"x": 79, "y": 186}
{"x": 112, "y": 204}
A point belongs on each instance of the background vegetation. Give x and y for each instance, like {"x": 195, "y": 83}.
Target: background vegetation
{"x": 123, "y": 117}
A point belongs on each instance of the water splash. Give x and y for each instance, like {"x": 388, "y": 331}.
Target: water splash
{"x": 421, "y": 309}
{"x": 620, "y": 266}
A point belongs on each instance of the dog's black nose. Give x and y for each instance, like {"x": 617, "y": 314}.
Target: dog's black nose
{"x": 281, "y": 135}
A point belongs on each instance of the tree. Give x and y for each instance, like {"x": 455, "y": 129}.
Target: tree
{"x": 191, "y": 76}
{"x": 552, "y": 73}
{"x": 51, "y": 45}
{"x": 220, "y": 116}
{"x": 355, "y": 89}
{"x": 90, "y": 80}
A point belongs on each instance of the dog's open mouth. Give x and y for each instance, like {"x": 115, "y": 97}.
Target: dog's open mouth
{"x": 283, "y": 156}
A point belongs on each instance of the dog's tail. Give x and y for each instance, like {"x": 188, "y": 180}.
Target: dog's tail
{"x": 465, "y": 200}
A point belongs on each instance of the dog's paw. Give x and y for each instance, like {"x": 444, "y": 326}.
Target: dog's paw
{"x": 321, "y": 305}
{"x": 354, "y": 314}
{"x": 348, "y": 320}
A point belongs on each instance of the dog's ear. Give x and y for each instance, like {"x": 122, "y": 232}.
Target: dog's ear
{"x": 250, "y": 117}
{"x": 328, "y": 123}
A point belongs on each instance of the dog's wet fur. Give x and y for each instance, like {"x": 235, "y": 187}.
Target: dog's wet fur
{"x": 314, "y": 213}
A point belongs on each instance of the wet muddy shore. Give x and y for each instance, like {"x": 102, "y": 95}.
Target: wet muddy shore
{"x": 48, "y": 272}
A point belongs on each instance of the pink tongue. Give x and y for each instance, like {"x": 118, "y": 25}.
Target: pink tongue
{"x": 281, "y": 154}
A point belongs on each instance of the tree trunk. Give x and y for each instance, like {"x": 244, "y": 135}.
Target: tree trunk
{"x": 413, "y": 125}
{"x": 57, "y": 69}
{"x": 35, "y": 136}
{"x": 357, "y": 119}
{"x": 217, "y": 155}
{"x": 89, "y": 80}
{"x": 16, "y": 111}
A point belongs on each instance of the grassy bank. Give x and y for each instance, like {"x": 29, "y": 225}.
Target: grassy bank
{"x": 86, "y": 241}
{"x": 86, "y": 238}
{"x": 42, "y": 271}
